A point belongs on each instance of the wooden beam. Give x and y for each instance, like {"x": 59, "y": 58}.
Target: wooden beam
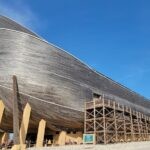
{"x": 104, "y": 121}
{"x": 62, "y": 138}
{"x": 41, "y": 132}
{"x": 131, "y": 119}
{"x": 25, "y": 123}
{"x": 2, "y": 107}
{"x": 146, "y": 124}
{"x": 4, "y": 138}
{"x": 94, "y": 119}
{"x": 18, "y": 147}
{"x": 124, "y": 119}
{"x": 15, "y": 112}
{"x": 115, "y": 120}
{"x": 74, "y": 138}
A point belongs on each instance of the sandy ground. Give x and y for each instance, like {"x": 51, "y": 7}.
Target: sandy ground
{"x": 120, "y": 146}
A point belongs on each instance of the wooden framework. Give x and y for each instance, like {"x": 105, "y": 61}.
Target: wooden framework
{"x": 57, "y": 80}
{"x": 25, "y": 123}
{"x": 2, "y": 107}
{"x": 112, "y": 122}
{"x": 41, "y": 132}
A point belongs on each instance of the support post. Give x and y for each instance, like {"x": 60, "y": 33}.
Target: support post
{"x": 132, "y": 131}
{"x": 104, "y": 121}
{"x": 2, "y": 107}
{"x": 116, "y": 133}
{"x": 62, "y": 138}
{"x": 73, "y": 137}
{"x": 94, "y": 119}
{"x": 25, "y": 123}
{"x": 4, "y": 138}
{"x": 124, "y": 118}
{"x": 85, "y": 119}
{"x": 139, "y": 126}
{"x": 41, "y": 132}
{"x": 15, "y": 112}
{"x": 146, "y": 128}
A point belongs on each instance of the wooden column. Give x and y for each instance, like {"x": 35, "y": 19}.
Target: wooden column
{"x": 73, "y": 137}
{"x": 25, "y": 123}
{"x": 116, "y": 134}
{"x": 85, "y": 119}
{"x": 2, "y": 107}
{"x": 62, "y": 138}
{"x": 41, "y": 132}
{"x": 104, "y": 122}
{"x": 146, "y": 128}
{"x": 4, "y": 138}
{"x": 124, "y": 118}
{"x": 132, "y": 131}
{"x": 15, "y": 112}
{"x": 139, "y": 124}
{"x": 94, "y": 119}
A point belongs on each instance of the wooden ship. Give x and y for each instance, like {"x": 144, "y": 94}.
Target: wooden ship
{"x": 54, "y": 83}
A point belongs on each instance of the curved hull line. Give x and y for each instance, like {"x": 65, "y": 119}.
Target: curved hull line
{"x": 29, "y": 31}
{"x": 86, "y": 65}
{"x": 77, "y": 82}
{"x": 39, "y": 99}
{"x": 92, "y": 88}
{"x": 54, "y": 82}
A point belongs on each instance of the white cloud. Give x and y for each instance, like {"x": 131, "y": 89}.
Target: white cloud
{"x": 20, "y": 12}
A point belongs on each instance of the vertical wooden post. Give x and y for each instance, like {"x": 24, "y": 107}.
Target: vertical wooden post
{"x": 2, "y": 107}
{"x": 125, "y": 134}
{"x": 132, "y": 131}
{"x": 15, "y": 112}
{"x": 114, "y": 107}
{"x": 62, "y": 138}
{"x": 146, "y": 128}
{"x": 85, "y": 119}
{"x": 104, "y": 123}
{"x": 41, "y": 132}
{"x": 140, "y": 127}
{"x": 4, "y": 138}
{"x": 94, "y": 119}
{"x": 139, "y": 131}
{"x": 25, "y": 123}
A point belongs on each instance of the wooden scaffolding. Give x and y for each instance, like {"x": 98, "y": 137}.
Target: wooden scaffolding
{"x": 112, "y": 122}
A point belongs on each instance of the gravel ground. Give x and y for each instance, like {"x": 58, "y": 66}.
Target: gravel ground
{"x": 120, "y": 146}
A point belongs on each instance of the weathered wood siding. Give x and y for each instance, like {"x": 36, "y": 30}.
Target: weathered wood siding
{"x": 55, "y": 83}
{"x": 10, "y": 24}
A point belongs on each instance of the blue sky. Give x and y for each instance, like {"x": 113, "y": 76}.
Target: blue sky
{"x": 112, "y": 36}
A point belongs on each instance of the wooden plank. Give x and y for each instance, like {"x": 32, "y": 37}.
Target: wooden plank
{"x": 104, "y": 123}
{"x": 15, "y": 112}
{"x": 59, "y": 73}
{"x": 132, "y": 132}
{"x": 125, "y": 134}
{"x": 41, "y": 132}
{"x": 25, "y": 123}
{"x": 94, "y": 118}
{"x": 116, "y": 134}
{"x": 4, "y": 138}
{"x": 2, "y": 107}
{"x": 85, "y": 111}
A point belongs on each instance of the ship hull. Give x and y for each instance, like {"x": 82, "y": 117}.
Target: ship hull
{"x": 53, "y": 82}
